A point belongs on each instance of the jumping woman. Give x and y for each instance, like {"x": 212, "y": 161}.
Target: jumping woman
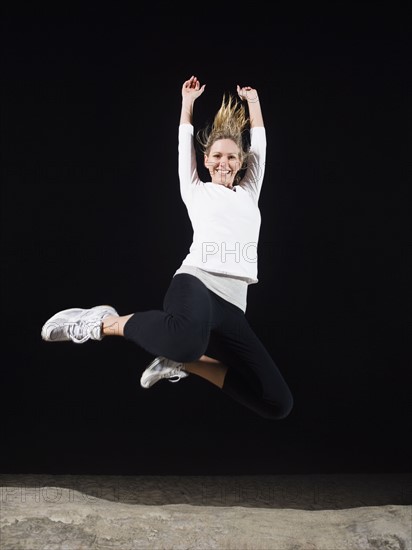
{"x": 202, "y": 329}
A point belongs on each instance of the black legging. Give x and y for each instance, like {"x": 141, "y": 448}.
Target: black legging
{"x": 194, "y": 322}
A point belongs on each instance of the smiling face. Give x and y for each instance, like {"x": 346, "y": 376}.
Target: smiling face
{"x": 223, "y": 162}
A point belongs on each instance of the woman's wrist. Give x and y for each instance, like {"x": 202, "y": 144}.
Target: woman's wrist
{"x": 253, "y": 99}
{"x": 187, "y": 104}
{"x": 186, "y": 114}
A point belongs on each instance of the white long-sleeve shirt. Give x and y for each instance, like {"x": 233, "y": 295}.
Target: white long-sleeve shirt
{"x": 226, "y": 222}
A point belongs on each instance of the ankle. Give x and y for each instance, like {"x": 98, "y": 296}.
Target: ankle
{"x": 113, "y": 325}
{"x": 110, "y": 325}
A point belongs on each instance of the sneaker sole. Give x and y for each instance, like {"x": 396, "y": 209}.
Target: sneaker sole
{"x": 143, "y": 379}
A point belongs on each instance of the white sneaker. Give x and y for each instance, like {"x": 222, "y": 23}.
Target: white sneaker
{"x": 160, "y": 368}
{"x": 76, "y": 324}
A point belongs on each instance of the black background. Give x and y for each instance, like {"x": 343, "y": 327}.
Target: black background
{"x": 92, "y": 214}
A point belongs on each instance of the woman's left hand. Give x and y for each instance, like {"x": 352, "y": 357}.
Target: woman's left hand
{"x": 247, "y": 93}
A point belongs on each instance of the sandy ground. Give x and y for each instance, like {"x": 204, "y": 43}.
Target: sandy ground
{"x": 308, "y": 512}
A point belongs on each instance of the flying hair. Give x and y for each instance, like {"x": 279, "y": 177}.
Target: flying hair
{"x": 230, "y": 122}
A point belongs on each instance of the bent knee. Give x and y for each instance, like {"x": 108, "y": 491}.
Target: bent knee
{"x": 278, "y": 410}
{"x": 286, "y": 408}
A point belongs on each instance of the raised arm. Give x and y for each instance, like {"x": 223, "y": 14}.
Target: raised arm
{"x": 188, "y": 175}
{"x": 255, "y": 171}
{"x": 191, "y": 90}
{"x": 255, "y": 112}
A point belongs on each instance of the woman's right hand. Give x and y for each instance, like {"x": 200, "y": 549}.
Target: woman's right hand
{"x": 192, "y": 89}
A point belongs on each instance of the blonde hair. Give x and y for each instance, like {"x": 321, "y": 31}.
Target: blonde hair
{"x": 230, "y": 122}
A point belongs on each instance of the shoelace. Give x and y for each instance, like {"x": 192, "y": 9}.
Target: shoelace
{"x": 175, "y": 372}
{"x": 80, "y": 331}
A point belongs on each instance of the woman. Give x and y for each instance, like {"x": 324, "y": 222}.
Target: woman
{"x": 202, "y": 328}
